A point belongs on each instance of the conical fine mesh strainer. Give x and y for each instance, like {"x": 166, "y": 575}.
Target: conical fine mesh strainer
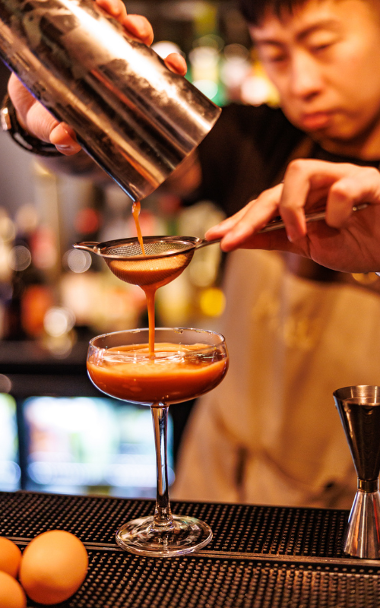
{"x": 164, "y": 259}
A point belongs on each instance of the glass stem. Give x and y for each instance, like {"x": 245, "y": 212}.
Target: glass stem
{"x": 162, "y": 515}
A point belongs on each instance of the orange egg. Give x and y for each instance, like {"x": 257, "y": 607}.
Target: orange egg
{"x": 11, "y": 594}
{"x": 10, "y": 557}
{"x": 53, "y": 567}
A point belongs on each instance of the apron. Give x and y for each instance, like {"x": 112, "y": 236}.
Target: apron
{"x": 270, "y": 432}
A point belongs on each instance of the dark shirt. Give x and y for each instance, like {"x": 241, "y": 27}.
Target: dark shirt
{"x": 247, "y": 152}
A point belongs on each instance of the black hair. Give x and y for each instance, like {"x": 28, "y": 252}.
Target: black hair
{"x": 254, "y": 10}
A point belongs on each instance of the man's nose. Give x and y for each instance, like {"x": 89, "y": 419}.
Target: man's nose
{"x": 305, "y": 76}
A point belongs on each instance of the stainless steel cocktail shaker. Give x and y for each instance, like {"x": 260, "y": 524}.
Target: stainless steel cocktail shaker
{"x": 131, "y": 114}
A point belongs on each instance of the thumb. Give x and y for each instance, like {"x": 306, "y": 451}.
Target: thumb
{"x": 39, "y": 122}
{"x": 64, "y": 139}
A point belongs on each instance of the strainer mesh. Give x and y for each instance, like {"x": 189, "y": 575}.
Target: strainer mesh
{"x": 155, "y": 248}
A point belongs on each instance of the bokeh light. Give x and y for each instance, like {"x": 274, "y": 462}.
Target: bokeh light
{"x": 87, "y": 221}
{"x": 77, "y": 261}
{"x": 58, "y": 321}
{"x": 212, "y": 302}
{"x": 20, "y": 258}
{"x": 7, "y": 227}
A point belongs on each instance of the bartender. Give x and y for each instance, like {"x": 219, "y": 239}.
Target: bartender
{"x": 271, "y": 434}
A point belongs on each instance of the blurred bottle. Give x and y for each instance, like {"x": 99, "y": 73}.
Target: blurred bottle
{"x": 31, "y": 295}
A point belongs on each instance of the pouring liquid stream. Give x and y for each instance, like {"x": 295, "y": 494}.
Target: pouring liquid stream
{"x": 149, "y": 290}
{"x": 136, "y": 208}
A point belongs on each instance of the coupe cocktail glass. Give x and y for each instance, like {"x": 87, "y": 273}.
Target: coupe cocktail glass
{"x": 186, "y": 363}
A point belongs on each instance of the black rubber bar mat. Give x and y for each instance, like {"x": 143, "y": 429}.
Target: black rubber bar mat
{"x": 260, "y": 557}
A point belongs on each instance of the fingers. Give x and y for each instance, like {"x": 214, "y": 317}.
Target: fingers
{"x": 116, "y": 8}
{"x": 31, "y": 115}
{"x": 21, "y": 98}
{"x": 308, "y": 184}
{"x": 304, "y": 183}
{"x": 64, "y": 139}
{"x": 362, "y": 185}
{"x": 294, "y": 196}
{"x": 221, "y": 229}
{"x": 239, "y": 230}
{"x": 138, "y": 27}
{"x": 39, "y": 122}
{"x": 336, "y": 186}
{"x": 176, "y": 63}
{"x": 251, "y": 239}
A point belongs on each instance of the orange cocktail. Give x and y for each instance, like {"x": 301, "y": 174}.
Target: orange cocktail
{"x": 176, "y": 372}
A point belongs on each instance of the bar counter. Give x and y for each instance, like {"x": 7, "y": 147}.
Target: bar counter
{"x": 259, "y": 557}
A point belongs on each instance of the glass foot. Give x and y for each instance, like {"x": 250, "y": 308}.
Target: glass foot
{"x": 185, "y": 535}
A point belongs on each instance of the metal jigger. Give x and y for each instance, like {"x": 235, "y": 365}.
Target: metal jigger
{"x": 359, "y": 410}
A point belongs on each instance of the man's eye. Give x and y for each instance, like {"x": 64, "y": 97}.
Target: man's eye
{"x": 321, "y": 46}
{"x": 276, "y": 58}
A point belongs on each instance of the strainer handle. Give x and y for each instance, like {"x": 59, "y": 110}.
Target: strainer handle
{"x": 204, "y": 243}
{"x": 87, "y": 246}
{"x": 276, "y": 224}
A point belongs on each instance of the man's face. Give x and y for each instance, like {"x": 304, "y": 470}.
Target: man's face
{"x": 324, "y": 60}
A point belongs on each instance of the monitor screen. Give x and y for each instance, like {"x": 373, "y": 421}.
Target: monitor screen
{"x": 91, "y": 445}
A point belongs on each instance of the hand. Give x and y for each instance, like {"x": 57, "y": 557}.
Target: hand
{"x": 39, "y": 122}
{"x": 345, "y": 241}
